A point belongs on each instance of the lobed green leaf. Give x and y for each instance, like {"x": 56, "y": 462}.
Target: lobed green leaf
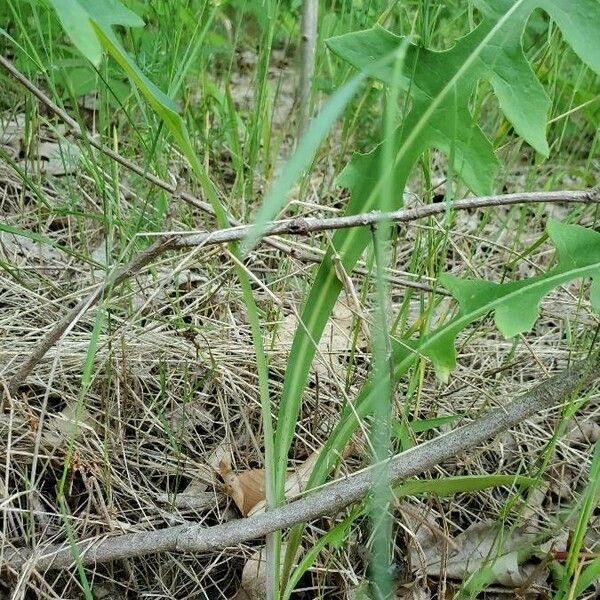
{"x": 440, "y": 85}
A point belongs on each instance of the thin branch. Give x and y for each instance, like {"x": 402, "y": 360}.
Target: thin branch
{"x": 591, "y": 195}
{"x": 81, "y": 134}
{"x": 138, "y": 262}
{"x": 77, "y": 132}
{"x": 306, "y": 226}
{"x": 329, "y": 499}
{"x": 206, "y": 207}
{"x": 310, "y": 14}
{"x": 296, "y": 226}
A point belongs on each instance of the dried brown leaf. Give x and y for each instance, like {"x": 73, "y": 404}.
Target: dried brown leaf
{"x": 59, "y": 427}
{"x": 254, "y": 576}
{"x": 246, "y": 489}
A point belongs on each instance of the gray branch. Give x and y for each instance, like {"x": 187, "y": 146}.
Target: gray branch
{"x": 77, "y": 132}
{"x": 296, "y": 226}
{"x": 327, "y": 500}
{"x": 306, "y": 226}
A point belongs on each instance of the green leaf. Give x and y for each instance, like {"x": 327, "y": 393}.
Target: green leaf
{"x": 516, "y": 303}
{"x": 89, "y": 26}
{"x": 448, "y": 486}
{"x": 578, "y": 21}
{"x": 490, "y": 51}
{"x": 579, "y": 256}
{"x": 77, "y": 25}
{"x": 336, "y": 536}
{"x": 76, "y": 18}
{"x": 440, "y": 85}
{"x": 112, "y": 12}
{"x": 589, "y": 576}
{"x": 276, "y": 198}
{"x": 446, "y": 81}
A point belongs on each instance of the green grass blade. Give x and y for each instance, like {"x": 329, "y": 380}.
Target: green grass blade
{"x": 407, "y": 352}
{"x": 590, "y": 499}
{"x": 334, "y": 536}
{"x": 276, "y": 198}
{"x": 380, "y": 518}
{"x": 443, "y": 487}
{"x": 448, "y": 486}
{"x": 589, "y": 576}
{"x": 86, "y": 381}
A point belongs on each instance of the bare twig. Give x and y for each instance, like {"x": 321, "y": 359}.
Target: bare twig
{"x": 329, "y": 499}
{"x": 305, "y": 226}
{"x": 296, "y": 226}
{"x": 77, "y": 132}
{"x": 310, "y": 13}
{"x": 119, "y": 275}
{"x": 81, "y": 134}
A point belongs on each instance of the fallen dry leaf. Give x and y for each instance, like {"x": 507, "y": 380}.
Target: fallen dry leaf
{"x": 474, "y": 547}
{"x": 56, "y": 158}
{"x": 59, "y": 427}
{"x": 295, "y": 482}
{"x": 49, "y": 156}
{"x": 413, "y": 591}
{"x": 12, "y": 132}
{"x": 254, "y": 575}
{"x": 248, "y": 490}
